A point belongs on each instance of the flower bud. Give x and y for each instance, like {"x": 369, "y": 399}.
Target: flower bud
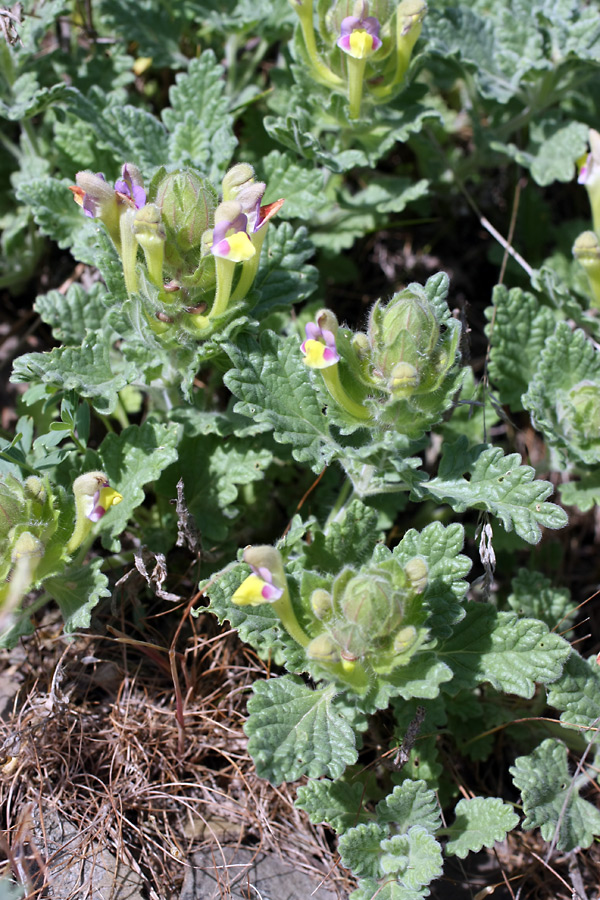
{"x": 187, "y": 205}
{"x": 150, "y": 235}
{"x": 323, "y": 648}
{"x": 417, "y": 573}
{"x": 36, "y": 489}
{"x": 321, "y": 602}
{"x": 405, "y": 638}
{"x": 237, "y": 178}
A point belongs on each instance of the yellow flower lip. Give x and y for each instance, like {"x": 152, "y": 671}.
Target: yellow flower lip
{"x": 360, "y": 44}
{"x": 255, "y": 591}
{"x": 318, "y": 355}
{"x": 236, "y": 247}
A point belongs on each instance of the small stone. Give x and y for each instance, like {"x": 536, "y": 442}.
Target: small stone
{"x": 237, "y": 873}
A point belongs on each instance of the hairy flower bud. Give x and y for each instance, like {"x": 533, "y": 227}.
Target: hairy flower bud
{"x": 187, "y": 205}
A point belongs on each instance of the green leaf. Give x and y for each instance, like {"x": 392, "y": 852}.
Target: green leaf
{"x": 583, "y": 493}
{"x": 295, "y": 731}
{"x": 414, "y": 858}
{"x": 90, "y": 370}
{"x": 360, "y": 848}
{"x": 213, "y": 470}
{"x": 28, "y": 99}
{"x": 154, "y": 29}
{"x": 569, "y": 367}
{"x": 131, "y": 460}
{"x": 369, "y": 889}
{"x": 440, "y": 548}
{"x": 301, "y": 185}
{"x": 551, "y": 801}
{"x": 533, "y": 596}
{"x": 293, "y": 131}
{"x": 74, "y": 314}
{"x": 577, "y": 693}
{"x": 338, "y": 803}
{"x": 410, "y": 803}
{"x": 555, "y": 145}
{"x": 274, "y": 387}
{"x": 52, "y": 207}
{"x": 199, "y": 121}
{"x": 519, "y": 326}
{"x": 145, "y": 136}
{"x": 496, "y": 483}
{"x": 422, "y": 679}
{"x": 479, "y": 822}
{"x": 352, "y": 215}
{"x": 77, "y": 592}
{"x": 349, "y": 542}
{"x": 283, "y": 277}
{"x": 511, "y": 653}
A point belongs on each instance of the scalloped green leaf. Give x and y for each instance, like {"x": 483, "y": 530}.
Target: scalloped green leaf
{"x": 346, "y": 543}
{"x": 518, "y": 327}
{"x": 569, "y": 366}
{"x": 90, "y": 370}
{"x": 301, "y": 185}
{"x": 414, "y": 858}
{"x": 274, "y": 388}
{"x": 52, "y": 207}
{"x": 555, "y": 145}
{"x": 482, "y": 477}
{"x": 294, "y": 730}
{"x": 512, "y": 654}
{"x": 533, "y": 596}
{"x": 77, "y": 592}
{"x": 577, "y": 694}
{"x": 422, "y": 679}
{"x": 283, "y": 276}
{"x": 338, "y": 803}
{"x": 213, "y": 470}
{"x": 27, "y": 99}
{"x": 479, "y": 822}
{"x": 145, "y": 135}
{"x": 551, "y": 801}
{"x": 72, "y": 315}
{"x": 583, "y": 493}
{"x": 368, "y": 889}
{"x": 199, "y": 121}
{"x": 439, "y": 547}
{"x": 410, "y": 803}
{"x": 360, "y": 848}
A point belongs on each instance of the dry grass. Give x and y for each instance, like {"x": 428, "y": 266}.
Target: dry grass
{"x": 100, "y": 735}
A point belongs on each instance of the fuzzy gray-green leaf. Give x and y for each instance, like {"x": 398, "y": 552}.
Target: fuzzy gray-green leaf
{"x": 294, "y": 730}
{"x": 551, "y": 801}
{"x": 511, "y": 653}
{"x": 479, "y": 822}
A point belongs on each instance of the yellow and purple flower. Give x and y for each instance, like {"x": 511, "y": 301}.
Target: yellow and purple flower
{"x": 93, "y": 498}
{"x": 93, "y": 193}
{"x": 319, "y": 347}
{"x": 230, "y": 238}
{"x": 359, "y": 35}
{"x": 263, "y": 585}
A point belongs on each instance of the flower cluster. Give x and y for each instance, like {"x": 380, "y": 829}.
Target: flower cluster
{"x": 201, "y": 256}
{"x": 359, "y": 622}
{"x": 361, "y": 46}
{"x": 389, "y": 375}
